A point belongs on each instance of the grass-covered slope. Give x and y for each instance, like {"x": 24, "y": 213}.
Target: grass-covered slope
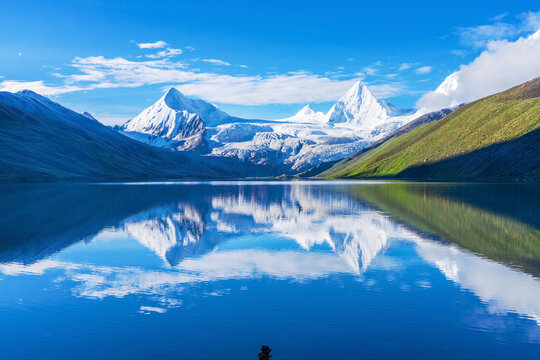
{"x": 496, "y": 138}
{"x": 36, "y": 147}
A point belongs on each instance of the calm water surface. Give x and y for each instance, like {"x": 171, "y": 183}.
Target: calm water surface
{"x": 316, "y": 270}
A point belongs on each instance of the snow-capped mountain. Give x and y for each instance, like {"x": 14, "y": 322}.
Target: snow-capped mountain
{"x": 289, "y": 145}
{"x": 87, "y": 115}
{"x": 174, "y": 121}
{"x": 359, "y": 108}
{"x": 362, "y": 111}
{"x": 443, "y": 96}
{"x": 175, "y": 117}
{"x": 308, "y": 115}
{"x": 449, "y": 84}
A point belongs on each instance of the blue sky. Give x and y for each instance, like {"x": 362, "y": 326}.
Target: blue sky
{"x": 252, "y": 59}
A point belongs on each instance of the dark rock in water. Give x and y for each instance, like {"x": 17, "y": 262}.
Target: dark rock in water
{"x": 265, "y": 353}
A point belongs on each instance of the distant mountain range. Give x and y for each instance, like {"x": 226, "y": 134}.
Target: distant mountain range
{"x": 494, "y": 138}
{"x": 180, "y": 137}
{"x": 290, "y": 145}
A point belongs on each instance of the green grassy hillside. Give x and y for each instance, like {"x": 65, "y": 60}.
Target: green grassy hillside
{"x": 497, "y": 138}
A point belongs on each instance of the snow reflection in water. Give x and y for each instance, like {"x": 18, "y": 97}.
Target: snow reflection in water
{"x": 295, "y": 233}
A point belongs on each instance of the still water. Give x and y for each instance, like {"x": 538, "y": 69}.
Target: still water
{"x": 315, "y": 270}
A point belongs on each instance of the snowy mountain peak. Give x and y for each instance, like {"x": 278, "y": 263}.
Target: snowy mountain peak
{"x": 173, "y": 92}
{"x": 306, "y": 110}
{"x": 357, "y": 96}
{"x": 358, "y": 107}
{"x": 29, "y": 93}
{"x": 33, "y": 96}
{"x": 37, "y": 104}
{"x": 175, "y": 100}
{"x": 355, "y": 91}
{"x": 307, "y": 115}
{"x": 176, "y": 117}
{"x": 87, "y": 115}
{"x": 449, "y": 85}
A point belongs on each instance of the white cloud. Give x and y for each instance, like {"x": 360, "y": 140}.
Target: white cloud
{"x": 386, "y": 90}
{"x": 120, "y": 72}
{"x": 423, "y": 70}
{"x": 373, "y": 69}
{"x": 98, "y": 72}
{"x": 169, "y": 52}
{"x": 370, "y": 70}
{"x": 498, "y": 17}
{"x": 155, "y": 45}
{"x": 338, "y": 72}
{"x": 530, "y": 21}
{"x": 37, "y": 86}
{"x": 502, "y": 65}
{"x": 458, "y": 52}
{"x": 216, "y": 62}
{"x": 89, "y": 75}
{"x": 478, "y": 36}
{"x": 404, "y": 66}
{"x": 259, "y": 90}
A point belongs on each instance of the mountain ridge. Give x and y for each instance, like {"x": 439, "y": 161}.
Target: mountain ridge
{"x": 289, "y": 145}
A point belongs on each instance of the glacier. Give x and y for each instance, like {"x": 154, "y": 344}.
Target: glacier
{"x": 291, "y": 145}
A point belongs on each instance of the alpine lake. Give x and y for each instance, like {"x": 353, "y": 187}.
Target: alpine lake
{"x": 313, "y": 269}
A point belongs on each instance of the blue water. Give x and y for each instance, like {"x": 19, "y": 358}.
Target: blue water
{"x": 315, "y": 270}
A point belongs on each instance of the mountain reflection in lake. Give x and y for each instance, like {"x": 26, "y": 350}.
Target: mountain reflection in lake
{"x": 316, "y": 270}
